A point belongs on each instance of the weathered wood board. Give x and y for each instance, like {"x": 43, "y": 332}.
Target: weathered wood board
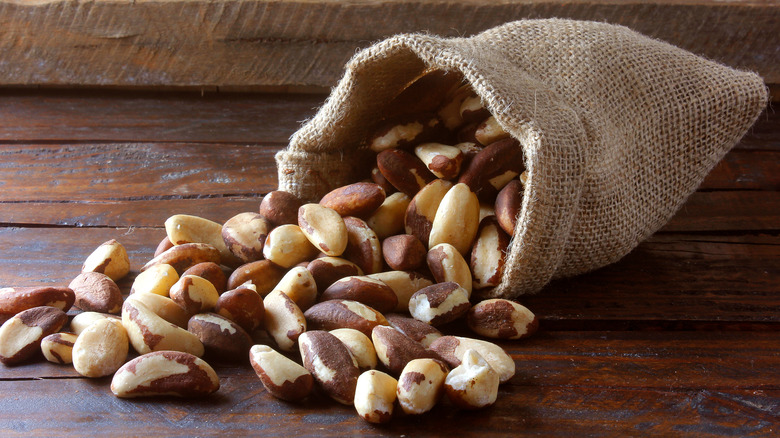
{"x": 258, "y": 42}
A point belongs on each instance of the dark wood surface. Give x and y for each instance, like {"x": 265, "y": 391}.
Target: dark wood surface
{"x": 681, "y": 337}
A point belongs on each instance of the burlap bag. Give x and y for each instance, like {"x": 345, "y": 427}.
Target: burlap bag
{"x": 617, "y": 130}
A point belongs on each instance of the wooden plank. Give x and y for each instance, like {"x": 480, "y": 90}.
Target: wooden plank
{"x": 122, "y": 171}
{"x": 241, "y": 408}
{"x": 251, "y": 42}
{"x": 139, "y": 116}
{"x": 704, "y": 278}
{"x": 704, "y": 211}
{"x": 616, "y": 359}
{"x": 134, "y": 171}
{"x": 32, "y": 116}
{"x": 728, "y": 211}
{"x": 709, "y": 279}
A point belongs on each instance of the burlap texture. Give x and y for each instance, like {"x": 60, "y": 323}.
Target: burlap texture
{"x": 617, "y": 130}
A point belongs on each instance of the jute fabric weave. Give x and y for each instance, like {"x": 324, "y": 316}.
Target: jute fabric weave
{"x": 617, "y": 130}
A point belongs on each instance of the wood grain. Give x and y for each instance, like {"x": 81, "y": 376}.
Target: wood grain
{"x": 253, "y": 42}
{"x": 709, "y": 279}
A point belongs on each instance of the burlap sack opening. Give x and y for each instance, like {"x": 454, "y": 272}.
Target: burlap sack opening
{"x": 617, "y": 130}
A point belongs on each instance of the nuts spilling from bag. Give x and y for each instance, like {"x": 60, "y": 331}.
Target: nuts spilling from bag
{"x": 349, "y": 294}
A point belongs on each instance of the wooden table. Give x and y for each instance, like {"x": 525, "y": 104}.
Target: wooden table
{"x": 678, "y": 338}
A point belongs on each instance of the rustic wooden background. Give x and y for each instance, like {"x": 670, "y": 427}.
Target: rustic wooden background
{"x": 680, "y": 338}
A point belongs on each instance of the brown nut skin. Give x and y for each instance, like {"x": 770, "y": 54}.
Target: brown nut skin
{"x": 363, "y": 247}
{"x": 264, "y": 274}
{"x": 447, "y": 264}
{"x": 472, "y": 110}
{"x": 404, "y": 252}
{"x": 222, "y": 338}
{"x": 381, "y": 181}
{"x": 183, "y": 256}
{"x": 405, "y": 131}
{"x": 334, "y": 314}
{"x": 493, "y": 167}
{"x": 164, "y": 245}
{"x": 404, "y": 284}
{"x": 243, "y": 306}
{"x": 244, "y": 235}
{"x": 280, "y": 207}
{"x": 58, "y": 347}
{"x": 394, "y": 349}
{"x": 508, "y": 204}
{"x": 444, "y": 161}
{"x": 165, "y": 373}
{"x": 331, "y": 364}
{"x": 404, "y": 171}
{"x": 425, "y": 93}
{"x": 502, "y": 319}
{"x": 327, "y": 270}
{"x": 283, "y": 320}
{"x": 21, "y": 336}
{"x": 488, "y": 255}
{"x": 421, "y": 385}
{"x": 440, "y": 303}
{"x": 366, "y": 290}
{"x": 110, "y": 258}
{"x": 17, "y": 299}
{"x": 281, "y": 376}
{"x": 211, "y": 272}
{"x": 421, "y": 212}
{"x": 359, "y": 199}
{"x": 453, "y": 348}
{"x": 163, "y": 307}
{"x": 417, "y": 330}
{"x": 194, "y": 294}
{"x": 96, "y": 292}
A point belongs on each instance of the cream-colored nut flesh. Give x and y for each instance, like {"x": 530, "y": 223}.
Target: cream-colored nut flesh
{"x": 442, "y": 160}
{"x": 299, "y": 285}
{"x": 184, "y": 228}
{"x": 334, "y": 314}
{"x": 421, "y": 385}
{"x": 502, "y": 319}
{"x": 440, "y": 303}
{"x": 375, "y": 396}
{"x": 473, "y": 384}
{"x": 457, "y": 219}
{"x": 181, "y": 257}
{"x": 324, "y": 228}
{"x": 21, "y": 336}
{"x": 149, "y": 332}
{"x": 452, "y": 349}
{"x": 404, "y": 284}
{"x": 58, "y": 347}
{"x": 489, "y": 131}
{"x": 165, "y": 373}
{"x": 109, "y": 258}
{"x": 284, "y": 320}
{"x": 287, "y": 245}
{"x": 101, "y": 348}
{"x": 421, "y": 211}
{"x": 488, "y": 254}
{"x": 244, "y": 235}
{"x": 158, "y": 279}
{"x": 83, "y": 320}
{"x": 388, "y": 219}
{"x": 359, "y": 345}
{"x": 194, "y": 294}
{"x": 281, "y": 376}
{"x": 163, "y": 307}
{"x": 447, "y": 264}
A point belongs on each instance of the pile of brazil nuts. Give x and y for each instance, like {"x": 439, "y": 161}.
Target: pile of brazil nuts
{"x": 347, "y": 294}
